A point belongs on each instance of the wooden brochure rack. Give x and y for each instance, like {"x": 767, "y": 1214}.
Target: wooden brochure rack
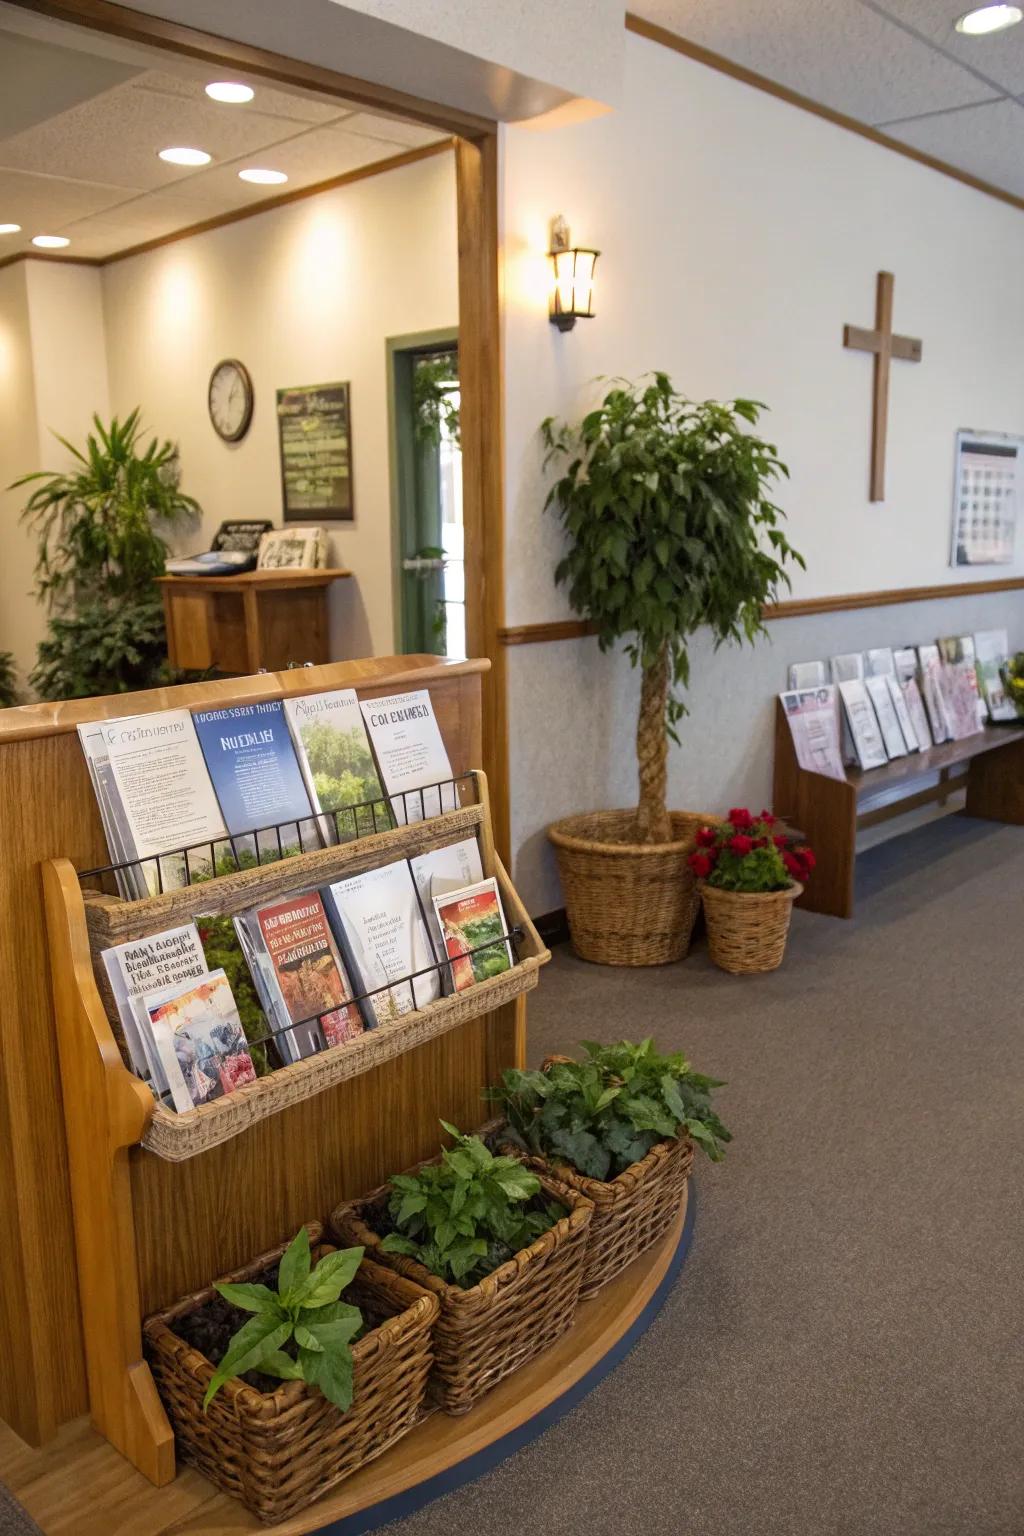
{"x": 162, "y": 1202}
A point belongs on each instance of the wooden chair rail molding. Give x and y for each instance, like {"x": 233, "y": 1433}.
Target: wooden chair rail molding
{"x": 794, "y": 608}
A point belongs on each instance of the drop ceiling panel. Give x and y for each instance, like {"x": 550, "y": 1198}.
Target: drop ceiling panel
{"x": 999, "y": 58}
{"x": 38, "y": 79}
{"x": 987, "y": 141}
{"x": 44, "y": 204}
{"x": 288, "y": 106}
{"x": 397, "y": 134}
{"x": 116, "y": 137}
{"x": 838, "y": 52}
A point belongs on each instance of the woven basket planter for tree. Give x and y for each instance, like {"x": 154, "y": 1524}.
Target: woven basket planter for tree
{"x": 278, "y": 1451}
{"x": 628, "y": 903}
{"x": 631, "y": 1212}
{"x": 484, "y": 1333}
{"x": 747, "y": 930}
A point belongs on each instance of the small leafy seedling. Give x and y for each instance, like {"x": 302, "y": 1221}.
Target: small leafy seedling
{"x": 467, "y": 1215}
{"x": 607, "y": 1112}
{"x": 305, "y": 1313}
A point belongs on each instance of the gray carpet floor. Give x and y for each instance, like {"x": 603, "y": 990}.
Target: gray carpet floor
{"x": 15, "y": 1521}
{"x": 843, "y": 1354}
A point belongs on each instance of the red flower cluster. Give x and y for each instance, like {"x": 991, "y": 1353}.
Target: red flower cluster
{"x": 741, "y": 834}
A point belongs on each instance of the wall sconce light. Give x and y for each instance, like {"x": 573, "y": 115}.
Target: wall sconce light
{"x": 572, "y": 278}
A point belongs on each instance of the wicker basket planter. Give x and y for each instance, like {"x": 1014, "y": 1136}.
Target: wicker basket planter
{"x": 747, "y": 930}
{"x": 278, "y": 1451}
{"x": 631, "y": 1212}
{"x": 484, "y": 1333}
{"x": 628, "y": 903}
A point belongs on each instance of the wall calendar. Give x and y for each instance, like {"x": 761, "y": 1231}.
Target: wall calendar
{"x": 988, "y": 468}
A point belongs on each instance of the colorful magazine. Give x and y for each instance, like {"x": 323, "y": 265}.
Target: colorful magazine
{"x": 337, "y": 763}
{"x": 469, "y": 919}
{"x": 255, "y": 773}
{"x": 300, "y": 975}
{"x": 201, "y": 1040}
{"x": 138, "y": 969}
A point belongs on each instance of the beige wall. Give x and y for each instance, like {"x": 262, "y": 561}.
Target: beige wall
{"x": 19, "y": 454}
{"x": 738, "y": 234}
{"x": 304, "y": 294}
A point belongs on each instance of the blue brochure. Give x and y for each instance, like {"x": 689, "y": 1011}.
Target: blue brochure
{"x": 257, "y": 779}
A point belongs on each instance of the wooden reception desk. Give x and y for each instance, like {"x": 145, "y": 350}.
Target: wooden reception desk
{"x": 240, "y": 624}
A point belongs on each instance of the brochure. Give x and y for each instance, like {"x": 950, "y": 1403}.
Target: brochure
{"x": 991, "y": 650}
{"x": 200, "y": 1039}
{"x": 249, "y": 752}
{"x": 337, "y": 763}
{"x": 892, "y": 734}
{"x": 860, "y": 714}
{"x": 813, "y": 716}
{"x": 380, "y": 927}
{"x": 442, "y": 871}
{"x": 143, "y": 966}
{"x": 410, "y": 755}
{"x": 469, "y": 919}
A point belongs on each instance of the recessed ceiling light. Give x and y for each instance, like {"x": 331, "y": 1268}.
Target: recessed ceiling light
{"x": 185, "y": 156}
{"x": 263, "y": 178}
{"x": 10, "y": 229}
{"x": 989, "y": 18}
{"x": 231, "y": 91}
{"x": 50, "y": 242}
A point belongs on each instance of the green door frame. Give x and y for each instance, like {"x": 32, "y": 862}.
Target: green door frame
{"x": 404, "y": 471}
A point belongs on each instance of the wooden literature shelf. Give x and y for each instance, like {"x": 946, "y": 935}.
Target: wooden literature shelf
{"x": 829, "y": 812}
{"x": 116, "y": 1129}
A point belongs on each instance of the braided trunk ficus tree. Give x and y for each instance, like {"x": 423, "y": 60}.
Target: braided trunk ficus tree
{"x": 670, "y": 528}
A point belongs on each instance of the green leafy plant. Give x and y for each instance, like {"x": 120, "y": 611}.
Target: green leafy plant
{"x": 670, "y": 529}
{"x": 750, "y": 853}
{"x": 435, "y": 384}
{"x": 606, "y": 1112}
{"x": 465, "y": 1216}
{"x": 9, "y": 692}
{"x": 301, "y": 1331}
{"x": 100, "y": 529}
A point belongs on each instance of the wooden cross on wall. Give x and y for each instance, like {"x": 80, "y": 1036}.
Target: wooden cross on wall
{"x": 885, "y": 347}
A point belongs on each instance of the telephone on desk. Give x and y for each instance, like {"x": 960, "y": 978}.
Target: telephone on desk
{"x": 234, "y": 550}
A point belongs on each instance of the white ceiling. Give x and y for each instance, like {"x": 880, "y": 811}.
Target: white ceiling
{"x": 83, "y": 116}
{"x": 897, "y": 65}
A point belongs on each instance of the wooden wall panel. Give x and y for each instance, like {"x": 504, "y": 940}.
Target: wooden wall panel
{"x": 47, "y": 811}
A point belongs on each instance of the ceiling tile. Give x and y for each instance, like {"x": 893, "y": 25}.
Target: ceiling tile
{"x": 292, "y": 106}
{"x": 116, "y": 137}
{"x": 987, "y": 141}
{"x": 46, "y": 204}
{"x": 402, "y": 135}
{"x": 999, "y": 57}
{"x": 838, "y": 52}
{"x": 38, "y": 79}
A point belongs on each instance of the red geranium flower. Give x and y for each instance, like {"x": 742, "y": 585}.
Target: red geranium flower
{"x": 706, "y": 837}
{"x": 701, "y": 865}
{"x": 768, "y": 819}
{"x": 741, "y": 844}
{"x": 780, "y": 840}
{"x": 807, "y": 856}
{"x": 740, "y": 818}
{"x": 793, "y": 865}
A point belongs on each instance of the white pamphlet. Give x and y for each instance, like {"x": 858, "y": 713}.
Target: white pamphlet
{"x": 807, "y": 674}
{"x": 813, "y": 716}
{"x": 991, "y": 650}
{"x": 410, "y": 755}
{"x": 863, "y": 722}
{"x": 899, "y": 704}
{"x": 888, "y": 724}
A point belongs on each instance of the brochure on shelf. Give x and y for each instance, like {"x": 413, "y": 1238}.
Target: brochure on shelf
{"x": 860, "y": 714}
{"x": 813, "y": 716}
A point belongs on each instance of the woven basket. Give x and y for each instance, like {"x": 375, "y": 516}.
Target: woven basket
{"x": 628, "y": 903}
{"x": 508, "y": 1317}
{"x": 278, "y": 1451}
{"x": 747, "y": 930}
{"x": 631, "y": 1212}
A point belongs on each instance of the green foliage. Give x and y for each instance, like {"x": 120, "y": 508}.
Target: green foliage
{"x": 464, "y": 1217}
{"x": 750, "y": 853}
{"x": 761, "y": 869}
{"x": 301, "y": 1331}
{"x": 608, "y": 1111}
{"x": 9, "y": 693}
{"x": 665, "y": 503}
{"x": 435, "y": 382}
{"x": 223, "y": 952}
{"x": 100, "y": 529}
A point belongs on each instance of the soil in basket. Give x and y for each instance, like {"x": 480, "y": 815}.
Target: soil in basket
{"x": 498, "y": 1254}
{"x": 211, "y": 1327}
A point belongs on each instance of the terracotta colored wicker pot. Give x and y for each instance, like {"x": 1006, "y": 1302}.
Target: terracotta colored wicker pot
{"x": 483, "y": 1334}
{"x": 631, "y": 1212}
{"x": 747, "y": 930}
{"x": 278, "y": 1451}
{"x": 628, "y": 903}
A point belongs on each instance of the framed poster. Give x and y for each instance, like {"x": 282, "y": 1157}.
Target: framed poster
{"x": 988, "y": 467}
{"x": 315, "y": 426}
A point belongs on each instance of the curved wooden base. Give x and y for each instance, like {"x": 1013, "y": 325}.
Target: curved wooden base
{"x": 444, "y": 1453}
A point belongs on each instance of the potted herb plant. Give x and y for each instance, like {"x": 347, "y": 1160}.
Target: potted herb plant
{"x": 619, "y": 1127}
{"x": 749, "y": 872}
{"x": 277, "y": 1388}
{"x": 500, "y": 1247}
{"x": 101, "y": 530}
{"x": 665, "y": 504}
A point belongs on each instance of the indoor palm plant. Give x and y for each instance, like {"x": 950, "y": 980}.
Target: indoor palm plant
{"x": 749, "y": 871}
{"x": 665, "y": 503}
{"x": 100, "y": 528}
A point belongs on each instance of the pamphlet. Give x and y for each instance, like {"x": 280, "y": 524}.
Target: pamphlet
{"x": 200, "y": 1039}
{"x": 813, "y": 715}
{"x": 892, "y": 734}
{"x": 303, "y": 979}
{"x": 442, "y": 871}
{"x": 410, "y": 755}
{"x": 379, "y": 925}
{"x": 860, "y": 714}
{"x": 991, "y": 649}
{"x": 469, "y": 920}
{"x": 256, "y": 775}
{"x": 143, "y": 966}
{"x": 337, "y": 763}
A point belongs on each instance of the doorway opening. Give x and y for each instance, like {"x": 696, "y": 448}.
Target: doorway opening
{"x": 429, "y": 535}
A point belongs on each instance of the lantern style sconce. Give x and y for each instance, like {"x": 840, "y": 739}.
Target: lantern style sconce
{"x": 572, "y": 278}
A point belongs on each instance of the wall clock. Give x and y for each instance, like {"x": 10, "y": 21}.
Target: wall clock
{"x": 230, "y": 400}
